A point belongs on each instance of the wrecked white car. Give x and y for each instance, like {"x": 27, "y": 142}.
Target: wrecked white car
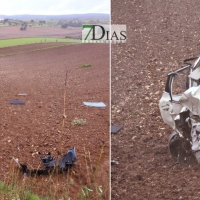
{"x": 180, "y": 108}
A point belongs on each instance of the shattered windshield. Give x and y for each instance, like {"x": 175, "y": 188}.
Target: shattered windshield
{"x": 179, "y": 82}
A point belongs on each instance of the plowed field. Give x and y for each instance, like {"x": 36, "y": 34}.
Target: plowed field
{"x": 37, "y": 125}
{"x": 160, "y": 35}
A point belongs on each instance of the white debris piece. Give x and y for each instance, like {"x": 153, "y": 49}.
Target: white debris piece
{"x": 195, "y": 74}
{"x": 16, "y": 160}
{"x": 95, "y": 104}
{"x": 191, "y": 100}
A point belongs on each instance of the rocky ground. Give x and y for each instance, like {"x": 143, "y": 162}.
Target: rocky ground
{"x": 38, "y": 125}
{"x": 160, "y": 35}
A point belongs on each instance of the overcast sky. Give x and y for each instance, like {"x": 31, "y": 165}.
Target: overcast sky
{"x": 53, "y": 7}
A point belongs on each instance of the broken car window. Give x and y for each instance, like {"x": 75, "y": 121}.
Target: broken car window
{"x": 194, "y": 83}
{"x": 179, "y": 82}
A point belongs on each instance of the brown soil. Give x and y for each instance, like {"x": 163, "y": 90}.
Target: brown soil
{"x": 37, "y": 125}
{"x": 31, "y": 47}
{"x": 160, "y": 34}
{"x": 15, "y": 32}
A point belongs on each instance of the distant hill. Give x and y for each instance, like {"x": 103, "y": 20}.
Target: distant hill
{"x": 80, "y": 16}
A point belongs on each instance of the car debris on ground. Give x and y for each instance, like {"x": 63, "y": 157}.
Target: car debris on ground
{"x": 113, "y": 162}
{"x": 50, "y": 163}
{"x": 95, "y": 104}
{"x": 115, "y": 129}
{"x": 180, "y": 108}
{"x": 22, "y": 94}
{"x": 17, "y": 102}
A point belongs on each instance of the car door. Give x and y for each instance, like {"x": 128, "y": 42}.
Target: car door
{"x": 177, "y": 83}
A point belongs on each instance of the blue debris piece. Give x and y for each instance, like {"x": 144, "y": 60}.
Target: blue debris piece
{"x": 115, "y": 129}
{"x": 47, "y": 160}
{"x": 67, "y": 160}
{"x": 17, "y": 102}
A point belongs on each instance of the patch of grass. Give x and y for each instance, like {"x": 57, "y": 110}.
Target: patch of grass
{"x": 10, "y": 191}
{"x": 93, "y": 188}
{"x": 85, "y": 65}
{"x": 3, "y": 25}
{"x": 17, "y": 189}
{"x": 85, "y": 193}
{"x": 77, "y": 121}
{"x": 136, "y": 113}
{"x": 23, "y": 41}
{"x": 28, "y": 196}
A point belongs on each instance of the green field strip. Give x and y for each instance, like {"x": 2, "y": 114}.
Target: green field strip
{"x": 3, "y": 25}
{"x": 23, "y": 41}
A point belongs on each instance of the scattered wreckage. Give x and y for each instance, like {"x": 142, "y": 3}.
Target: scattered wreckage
{"x": 50, "y": 163}
{"x": 180, "y": 108}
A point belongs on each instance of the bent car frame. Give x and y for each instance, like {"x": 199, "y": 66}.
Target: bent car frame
{"x": 180, "y": 108}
